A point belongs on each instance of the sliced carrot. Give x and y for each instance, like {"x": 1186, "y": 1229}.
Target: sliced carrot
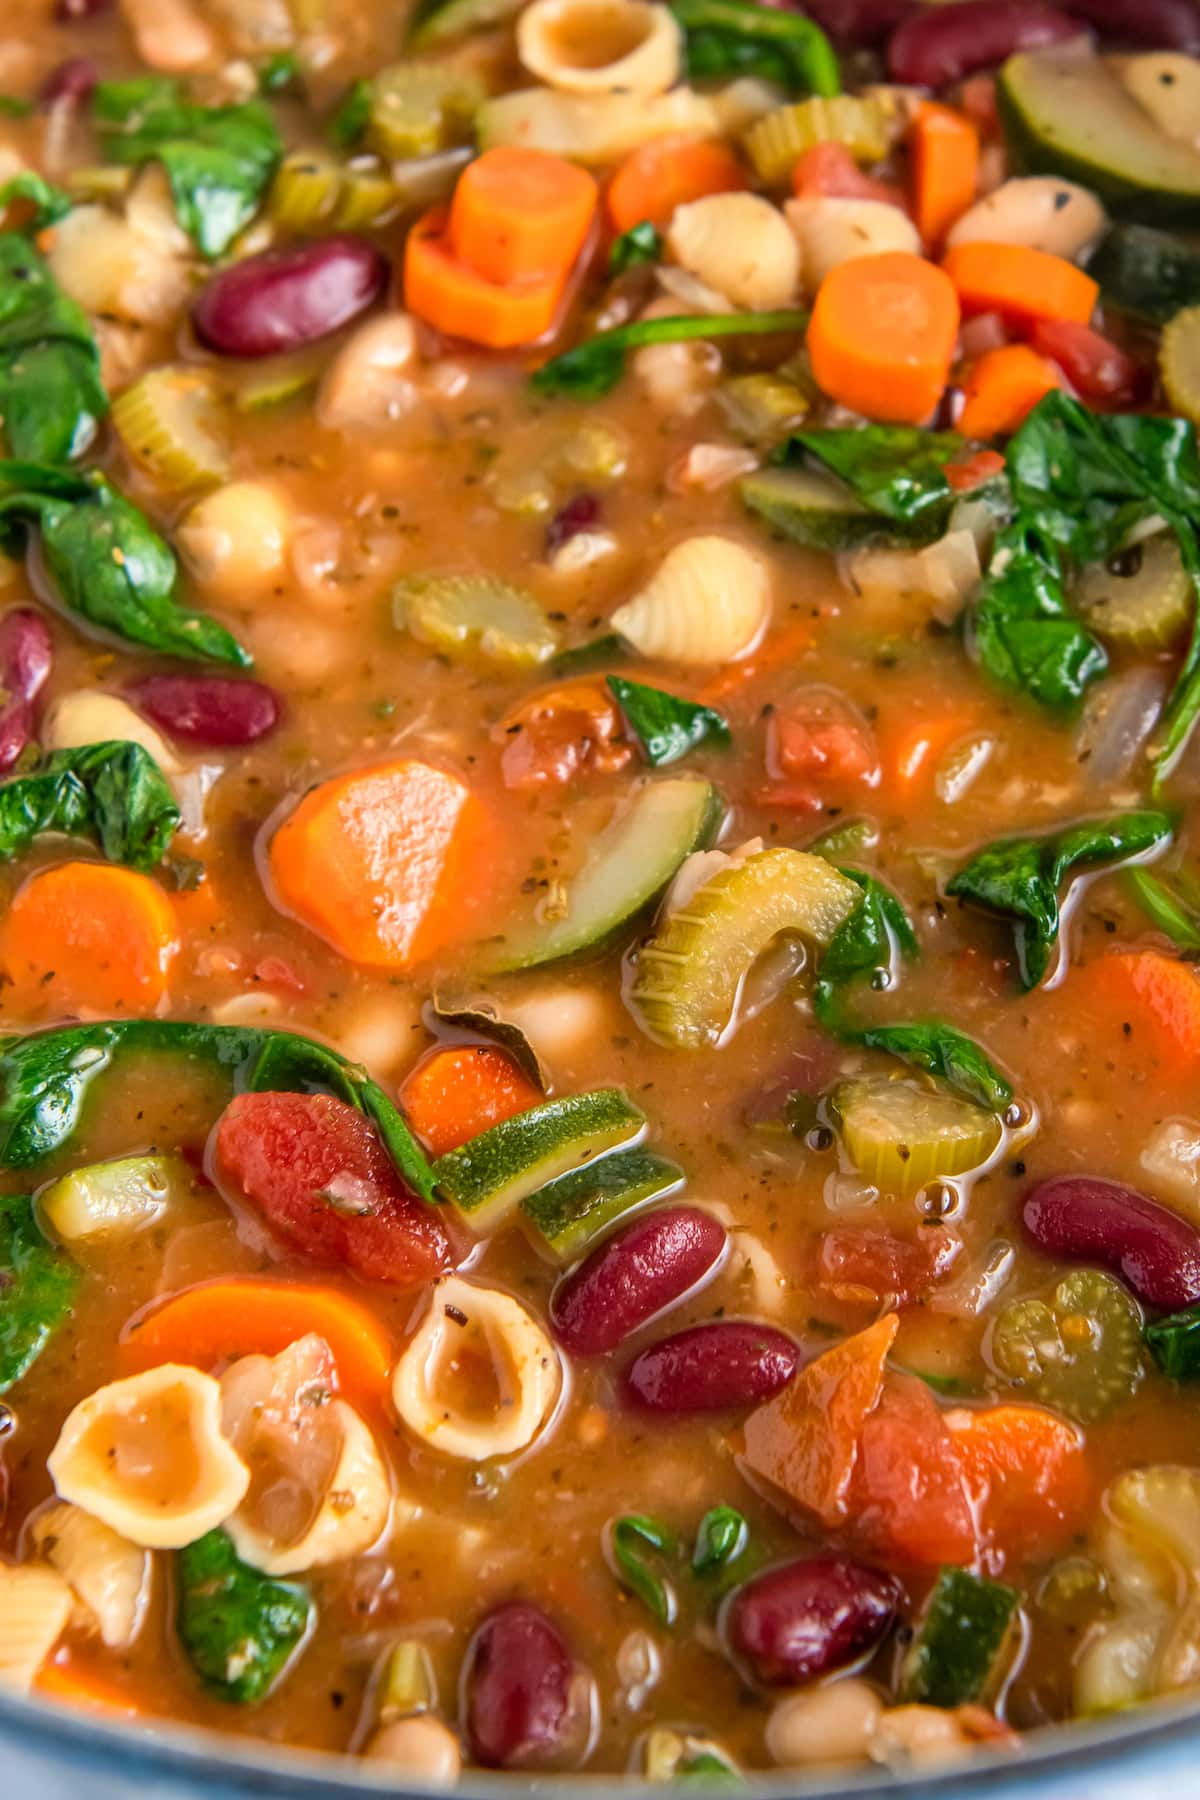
{"x": 1002, "y": 387}
{"x": 828, "y": 170}
{"x": 985, "y": 465}
{"x": 89, "y": 935}
{"x": 521, "y": 215}
{"x": 458, "y": 301}
{"x": 1020, "y": 284}
{"x": 805, "y": 1440}
{"x": 216, "y": 1321}
{"x": 908, "y": 1495}
{"x": 71, "y": 1684}
{"x": 455, "y": 1093}
{"x": 379, "y": 862}
{"x": 1153, "y": 1001}
{"x": 668, "y": 172}
{"x": 910, "y": 752}
{"x": 944, "y": 160}
{"x": 1027, "y": 1473}
{"x": 882, "y": 336}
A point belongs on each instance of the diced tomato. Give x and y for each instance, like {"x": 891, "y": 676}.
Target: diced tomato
{"x": 820, "y": 737}
{"x": 828, "y": 169}
{"x": 908, "y": 1495}
{"x": 565, "y": 732}
{"x": 1095, "y": 368}
{"x": 855, "y": 1264}
{"x": 316, "y": 1172}
{"x": 983, "y": 466}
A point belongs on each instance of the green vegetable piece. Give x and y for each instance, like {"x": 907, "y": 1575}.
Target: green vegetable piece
{"x": 103, "y": 1198}
{"x": 490, "y": 1175}
{"x": 1148, "y": 274}
{"x": 107, "y": 563}
{"x": 853, "y": 838}
{"x": 38, "y": 1284}
{"x": 810, "y": 507}
{"x": 868, "y": 943}
{"x": 1020, "y": 878}
{"x": 347, "y": 126}
{"x": 728, "y": 38}
{"x": 687, "y": 1761}
{"x": 279, "y": 72}
{"x": 896, "y": 472}
{"x": 594, "y": 368}
{"x": 666, "y": 727}
{"x": 941, "y": 1050}
{"x": 49, "y": 203}
{"x": 903, "y": 1134}
{"x": 218, "y": 159}
{"x": 1165, "y": 908}
{"x": 416, "y": 108}
{"x": 466, "y": 614}
{"x": 571, "y": 1211}
{"x": 45, "y": 1078}
{"x": 51, "y": 396}
{"x": 642, "y": 243}
{"x": 721, "y": 1539}
{"x": 632, "y": 1537}
{"x": 583, "y": 658}
{"x": 13, "y": 107}
{"x": 1144, "y": 598}
{"x": 239, "y": 1629}
{"x": 1080, "y": 1351}
{"x": 112, "y": 792}
{"x": 961, "y": 1649}
{"x": 1174, "y": 1343}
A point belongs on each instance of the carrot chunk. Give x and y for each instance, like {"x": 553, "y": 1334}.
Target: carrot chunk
{"x": 455, "y": 1093}
{"x": 882, "y": 336}
{"x": 1020, "y": 284}
{"x": 89, "y": 935}
{"x": 805, "y": 1440}
{"x": 1002, "y": 388}
{"x": 1156, "y": 996}
{"x": 377, "y": 862}
{"x": 521, "y": 215}
{"x": 462, "y": 303}
{"x": 1026, "y": 1472}
{"x": 944, "y": 160}
{"x": 668, "y": 172}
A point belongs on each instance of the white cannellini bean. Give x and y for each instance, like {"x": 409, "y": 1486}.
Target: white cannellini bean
{"x": 424, "y": 1748}
{"x": 833, "y": 1723}
{"x": 561, "y": 1022}
{"x": 235, "y": 540}
{"x": 601, "y": 46}
{"x": 369, "y": 380}
{"x": 831, "y": 230}
{"x": 108, "y": 266}
{"x": 92, "y": 717}
{"x": 170, "y": 35}
{"x": 1042, "y": 212}
{"x": 740, "y": 245}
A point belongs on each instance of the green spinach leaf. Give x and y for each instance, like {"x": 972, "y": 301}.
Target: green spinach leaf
{"x": 45, "y": 1079}
{"x": 51, "y": 396}
{"x": 728, "y": 38}
{"x": 107, "y": 563}
{"x": 113, "y": 792}
{"x": 49, "y": 203}
{"x": 347, "y": 125}
{"x": 218, "y": 159}
{"x": 1165, "y": 908}
{"x": 1174, "y": 1343}
{"x": 594, "y": 368}
{"x": 239, "y": 1628}
{"x": 38, "y": 1282}
{"x": 895, "y": 471}
{"x": 665, "y": 726}
{"x": 1020, "y": 878}
{"x": 640, "y": 244}
{"x": 940, "y": 1049}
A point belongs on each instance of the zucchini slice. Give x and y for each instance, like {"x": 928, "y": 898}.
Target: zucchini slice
{"x": 961, "y": 1650}
{"x": 811, "y": 509}
{"x": 629, "y": 866}
{"x": 1067, "y": 114}
{"x": 901, "y": 1134}
{"x": 568, "y": 1213}
{"x": 1150, "y": 275}
{"x": 489, "y": 1176}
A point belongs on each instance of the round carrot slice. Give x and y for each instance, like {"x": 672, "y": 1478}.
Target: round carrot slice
{"x": 87, "y": 935}
{"x": 668, "y": 172}
{"x": 455, "y": 1093}
{"x": 882, "y": 336}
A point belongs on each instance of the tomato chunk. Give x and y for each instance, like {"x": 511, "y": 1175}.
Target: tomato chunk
{"x": 314, "y": 1170}
{"x": 1095, "y": 367}
{"x": 908, "y": 1495}
{"x": 868, "y": 1266}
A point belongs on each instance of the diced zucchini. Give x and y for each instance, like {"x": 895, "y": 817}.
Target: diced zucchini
{"x": 865, "y": 123}
{"x": 38, "y": 1284}
{"x": 901, "y": 1134}
{"x": 465, "y": 614}
{"x": 568, "y": 1213}
{"x": 170, "y": 422}
{"x": 1146, "y": 599}
{"x": 1146, "y": 273}
{"x": 1179, "y": 363}
{"x": 961, "y": 1649}
{"x": 628, "y": 867}
{"x": 270, "y": 380}
{"x": 108, "y": 1197}
{"x": 811, "y": 509}
{"x": 417, "y": 108}
{"x": 239, "y": 1630}
{"x": 1079, "y": 1350}
{"x": 690, "y": 973}
{"x": 763, "y": 408}
{"x": 490, "y": 1175}
{"x": 1067, "y": 114}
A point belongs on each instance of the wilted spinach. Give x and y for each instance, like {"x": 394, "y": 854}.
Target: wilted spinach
{"x": 51, "y": 396}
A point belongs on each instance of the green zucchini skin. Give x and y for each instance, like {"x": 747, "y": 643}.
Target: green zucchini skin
{"x": 1147, "y": 274}
{"x": 568, "y": 1214}
{"x": 808, "y": 509}
{"x": 1066, "y": 114}
{"x": 961, "y": 1649}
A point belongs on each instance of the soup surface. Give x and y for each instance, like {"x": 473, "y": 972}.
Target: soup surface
{"x": 598, "y": 895}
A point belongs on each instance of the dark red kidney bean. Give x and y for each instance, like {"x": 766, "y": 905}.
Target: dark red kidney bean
{"x": 516, "y": 1687}
{"x": 282, "y": 299}
{"x": 577, "y": 515}
{"x": 71, "y": 82}
{"x": 729, "y": 1362}
{"x": 853, "y": 23}
{"x": 25, "y": 657}
{"x": 73, "y": 12}
{"x": 796, "y": 1623}
{"x": 1150, "y": 24}
{"x": 207, "y": 709}
{"x": 633, "y": 1275}
{"x": 1093, "y": 1220}
{"x": 940, "y": 44}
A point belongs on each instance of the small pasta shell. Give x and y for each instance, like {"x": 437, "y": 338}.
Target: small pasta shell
{"x": 104, "y": 1570}
{"x": 593, "y": 128}
{"x": 739, "y": 244}
{"x": 524, "y": 1362}
{"x": 147, "y": 1455}
{"x": 89, "y": 716}
{"x": 832, "y": 231}
{"x": 319, "y": 1491}
{"x": 707, "y": 603}
{"x": 35, "y": 1604}
{"x": 601, "y": 46}
{"x": 1042, "y": 212}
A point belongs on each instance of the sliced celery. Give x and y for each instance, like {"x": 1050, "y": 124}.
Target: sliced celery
{"x": 1146, "y": 601}
{"x": 170, "y": 421}
{"x": 417, "y": 108}
{"x": 901, "y": 1134}
{"x": 690, "y": 974}
{"x": 108, "y": 1198}
{"x": 465, "y": 614}
{"x": 866, "y": 124}
{"x": 305, "y": 190}
{"x": 1080, "y": 1351}
{"x": 762, "y": 408}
